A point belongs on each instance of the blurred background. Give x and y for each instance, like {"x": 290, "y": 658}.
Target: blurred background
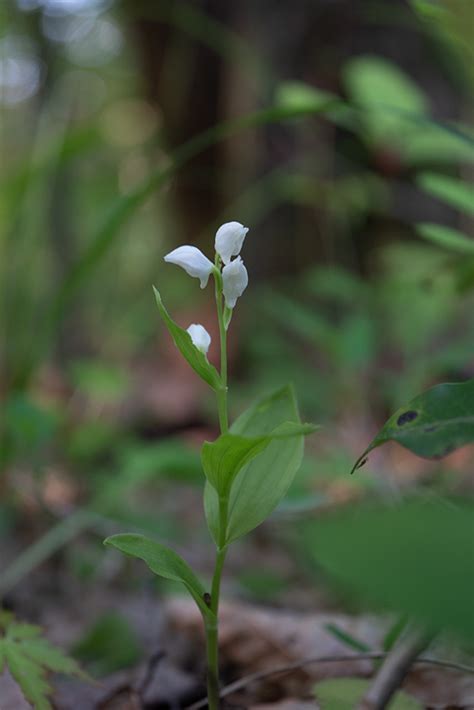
{"x": 340, "y": 133}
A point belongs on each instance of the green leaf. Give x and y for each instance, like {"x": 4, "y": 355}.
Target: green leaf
{"x": 344, "y": 693}
{"x": 454, "y": 192}
{"x": 29, "y": 657}
{"x": 224, "y": 458}
{"x": 387, "y": 95}
{"x": 189, "y": 351}
{"x": 417, "y": 559}
{"x": 446, "y": 237}
{"x": 431, "y": 425}
{"x": 262, "y": 483}
{"x": 163, "y": 562}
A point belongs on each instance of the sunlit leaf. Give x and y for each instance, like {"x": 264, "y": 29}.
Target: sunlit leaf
{"x": 261, "y": 484}
{"x": 344, "y": 694}
{"x": 446, "y": 237}
{"x": 162, "y": 561}
{"x": 454, "y": 192}
{"x": 417, "y": 558}
{"x": 189, "y": 351}
{"x": 433, "y": 424}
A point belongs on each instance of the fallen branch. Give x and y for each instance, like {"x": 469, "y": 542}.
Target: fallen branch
{"x": 394, "y": 669}
{"x": 262, "y": 675}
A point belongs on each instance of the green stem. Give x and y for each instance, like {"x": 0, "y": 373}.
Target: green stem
{"x": 222, "y": 392}
{"x": 212, "y": 627}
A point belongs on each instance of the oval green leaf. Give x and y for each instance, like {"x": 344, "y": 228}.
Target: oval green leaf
{"x": 262, "y": 483}
{"x": 433, "y": 424}
{"x": 163, "y": 562}
{"x": 188, "y": 350}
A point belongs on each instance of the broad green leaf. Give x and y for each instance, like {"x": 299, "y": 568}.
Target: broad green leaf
{"x": 433, "y": 424}
{"x": 163, "y": 562}
{"x": 446, "y": 237}
{"x": 454, "y": 192}
{"x": 344, "y": 694}
{"x": 262, "y": 483}
{"x": 189, "y": 351}
{"x": 29, "y": 658}
{"x": 224, "y": 458}
{"x": 417, "y": 558}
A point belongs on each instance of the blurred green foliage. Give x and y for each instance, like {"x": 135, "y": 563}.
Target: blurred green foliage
{"x": 375, "y": 173}
{"x": 109, "y": 645}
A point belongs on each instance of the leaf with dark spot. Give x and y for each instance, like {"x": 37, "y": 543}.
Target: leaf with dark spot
{"x": 432, "y": 425}
{"x": 406, "y": 417}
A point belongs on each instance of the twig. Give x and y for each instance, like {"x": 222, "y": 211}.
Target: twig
{"x": 262, "y": 675}
{"x": 392, "y": 672}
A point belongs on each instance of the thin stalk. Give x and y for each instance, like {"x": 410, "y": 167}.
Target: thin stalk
{"x": 212, "y": 627}
{"x": 222, "y": 392}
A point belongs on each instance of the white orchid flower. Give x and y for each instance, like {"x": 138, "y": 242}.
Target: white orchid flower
{"x": 193, "y": 261}
{"x": 200, "y": 337}
{"x": 229, "y": 240}
{"x": 234, "y": 280}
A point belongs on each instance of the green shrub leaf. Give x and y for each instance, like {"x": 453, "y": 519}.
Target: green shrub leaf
{"x": 224, "y": 458}
{"x": 189, "y": 351}
{"x": 433, "y": 424}
{"x": 163, "y": 562}
{"x": 417, "y": 558}
{"x": 344, "y": 693}
{"x": 262, "y": 482}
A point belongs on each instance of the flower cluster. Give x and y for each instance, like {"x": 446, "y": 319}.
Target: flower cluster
{"x": 228, "y": 243}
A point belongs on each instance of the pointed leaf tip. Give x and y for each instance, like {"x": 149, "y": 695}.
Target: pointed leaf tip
{"x": 162, "y": 561}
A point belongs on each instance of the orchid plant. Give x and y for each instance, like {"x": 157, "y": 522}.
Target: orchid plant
{"x": 251, "y": 464}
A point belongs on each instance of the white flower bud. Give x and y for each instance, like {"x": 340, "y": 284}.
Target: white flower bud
{"x": 235, "y": 279}
{"x": 200, "y": 337}
{"x": 229, "y": 240}
{"x": 193, "y": 261}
